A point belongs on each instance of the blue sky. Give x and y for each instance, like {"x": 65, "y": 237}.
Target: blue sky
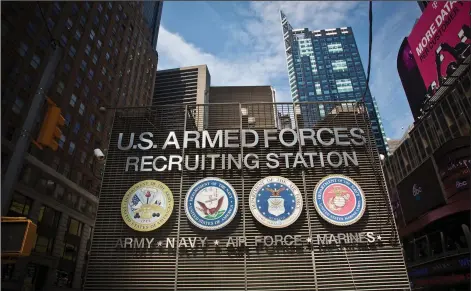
{"x": 241, "y": 42}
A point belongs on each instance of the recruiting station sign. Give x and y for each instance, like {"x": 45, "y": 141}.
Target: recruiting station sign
{"x": 440, "y": 35}
{"x": 242, "y": 209}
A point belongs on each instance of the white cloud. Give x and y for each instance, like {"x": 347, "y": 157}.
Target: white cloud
{"x": 254, "y": 50}
{"x": 264, "y": 61}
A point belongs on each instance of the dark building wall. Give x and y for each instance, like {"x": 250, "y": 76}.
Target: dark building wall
{"x": 412, "y": 81}
{"x": 107, "y": 61}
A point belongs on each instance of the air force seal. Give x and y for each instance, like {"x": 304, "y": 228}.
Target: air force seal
{"x": 147, "y": 205}
{"x": 339, "y": 200}
{"x": 211, "y": 203}
{"x": 275, "y": 202}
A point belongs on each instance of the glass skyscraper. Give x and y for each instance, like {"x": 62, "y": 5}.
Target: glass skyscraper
{"x": 152, "y": 12}
{"x": 325, "y": 65}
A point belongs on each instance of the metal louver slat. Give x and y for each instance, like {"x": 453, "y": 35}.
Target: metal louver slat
{"x": 376, "y": 267}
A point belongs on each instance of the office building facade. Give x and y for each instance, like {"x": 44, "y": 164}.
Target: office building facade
{"x": 429, "y": 182}
{"x": 325, "y": 65}
{"x": 257, "y": 115}
{"x": 107, "y": 61}
{"x": 187, "y": 85}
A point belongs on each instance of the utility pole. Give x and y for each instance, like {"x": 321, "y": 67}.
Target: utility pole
{"x": 24, "y": 140}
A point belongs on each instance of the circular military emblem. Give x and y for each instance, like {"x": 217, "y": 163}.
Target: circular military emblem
{"x": 275, "y": 202}
{"x": 147, "y": 205}
{"x": 211, "y": 203}
{"x": 339, "y": 200}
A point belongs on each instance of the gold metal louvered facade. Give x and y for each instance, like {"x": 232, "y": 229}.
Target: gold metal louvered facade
{"x": 379, "y": 267}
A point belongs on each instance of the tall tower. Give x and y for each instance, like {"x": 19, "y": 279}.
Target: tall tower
{"x": 152, "y": 12}
{"x": 325, "y": 65}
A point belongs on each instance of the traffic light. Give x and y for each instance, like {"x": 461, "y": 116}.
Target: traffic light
{"x": 50, "y": 128}
{"x": 18, "y": 236}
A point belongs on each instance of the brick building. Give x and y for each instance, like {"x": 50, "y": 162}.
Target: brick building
{"x": 107, "y": 61}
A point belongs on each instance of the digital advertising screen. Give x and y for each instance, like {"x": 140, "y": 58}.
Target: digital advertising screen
{"x": 441, "y": 39}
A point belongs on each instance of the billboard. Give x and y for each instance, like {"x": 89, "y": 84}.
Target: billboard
{"x": 420, "y": 191}
{"x": 242, "y": 208}
{"x": 411, "y": 79}
{"x": 441, "y": 39}
{"x": 454, "y": 163}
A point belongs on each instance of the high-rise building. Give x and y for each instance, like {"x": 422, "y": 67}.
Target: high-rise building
{"x": 428, "y": 180}
{"x": 188, "y": 85}
{"x": 107, "y": 61}
{"x": 152, "y": 12}
{"x": 260, "y": 114}
{"x": 325, "y": 65}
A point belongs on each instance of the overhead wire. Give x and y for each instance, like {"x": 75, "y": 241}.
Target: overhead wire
{"x": 53, "y": 40}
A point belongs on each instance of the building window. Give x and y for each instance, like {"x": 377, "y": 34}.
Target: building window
{"x": 92, "y": 119}
{"x": 99, "y": 44}
{"x": 86, "y": 90}
{"x": 49, "y": 216}
{"x": 88, "y": 135}
{"x": 35, "y": 61}
{"x": 98, "y": 126}
{"x": 63, "y": 279}
{"x": 18, "y": 105}
{"x": 23, "y": 49}
{"x": 67, "y": 118}
{"x": 83, "y": 65}
{"x": 71, "y": 148}
{"x": 107, "y": 56}
{"x": 335, "y": 48}
{"x": 20, "y": 205}
{"x": 100, "y": 7}
{"x": 102, "y": 30}
{"x": 62, "y": 141}
{"x": 96, "y": 21}
{"x": 73, "y": 100}
{"x": 78, "y": 82}
{"x": 60, "y": 87}
{"x": 43, "y": 245}
{"x": 90, "y": 74}
{"x": 107, "y": 18}
{"x": 74, "y": 9}
{"x": 70, "y": 252}
{"x": 103, "y": 71}
{"x": 344, "y": 85}
{"x": 339, "y": 66}
{"x": 87, "y": 6}
{"x": 92, "y": 34}
{"x": 81, "y": 108}
{"x": 78, "y": 34}
{"x": 100, "y": 86}
{"x": 75, "y": 227}
{"x": 63, "y": 40}
{"x": 72, "y": 51}
{"x": 67, "y": 68}
{"x": 95, "y": 59}
{"x": 69, "y": 23}
{"x": 88, "y": 49}
{"x": 83, "y": 20}
{"x": 77, "y": 127}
